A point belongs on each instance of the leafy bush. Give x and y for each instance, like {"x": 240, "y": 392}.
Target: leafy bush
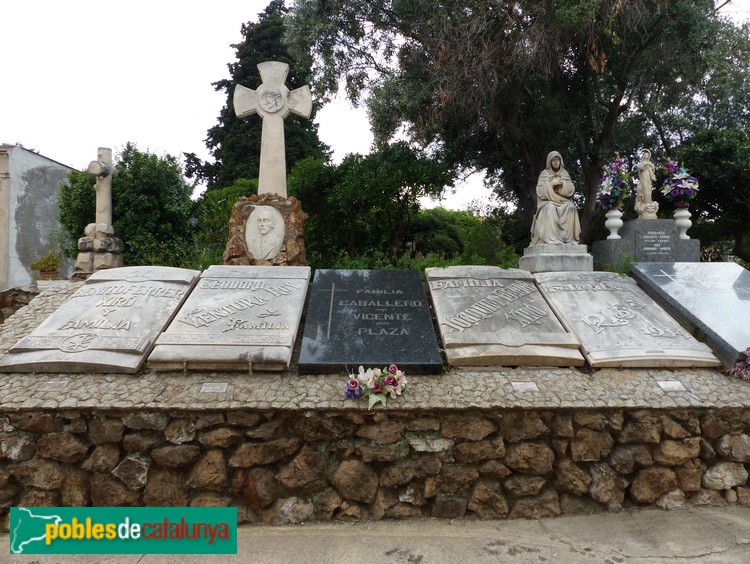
{"x": 151, "y": 209}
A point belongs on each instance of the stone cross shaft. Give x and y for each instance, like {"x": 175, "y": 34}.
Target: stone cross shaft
{"x": 102, "y": 168}
{"x": 273, "y": 102}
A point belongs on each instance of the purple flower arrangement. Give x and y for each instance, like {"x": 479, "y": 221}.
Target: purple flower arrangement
{"x": 678, "y": 187}
{"x": 614, "y": 186}
{"x": 742, "y": 368}
{"x": 375, "y": 384}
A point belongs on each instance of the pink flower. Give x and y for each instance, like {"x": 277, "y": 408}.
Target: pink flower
{"x": 392, "y": 368}
{"x": 377, "y": 388}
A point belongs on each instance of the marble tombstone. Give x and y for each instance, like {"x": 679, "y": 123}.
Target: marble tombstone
{"x": 371, "y": 318}
{"x": 109, "y": 325}
{"x": 236, "y": 318}
{"x": 489, "y": 316}
{"x": 712, "y": 298}
{"x": 618, "y": 324}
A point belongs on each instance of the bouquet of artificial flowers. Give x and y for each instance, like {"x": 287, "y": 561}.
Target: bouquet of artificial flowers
{"x": 614, "y": 186}
{"x": 375, "y": 384}
{"x": 679, "y": 187}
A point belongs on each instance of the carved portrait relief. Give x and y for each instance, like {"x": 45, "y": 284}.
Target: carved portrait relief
{"x": 264, "y": 232}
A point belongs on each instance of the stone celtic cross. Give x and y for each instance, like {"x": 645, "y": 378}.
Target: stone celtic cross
{"x": 273, "y": 102}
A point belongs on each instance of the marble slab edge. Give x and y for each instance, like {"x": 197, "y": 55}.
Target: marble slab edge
{"x": 230, "y": 358}
{"x": 721, "y": 348}
{"x": 498, "y": 355}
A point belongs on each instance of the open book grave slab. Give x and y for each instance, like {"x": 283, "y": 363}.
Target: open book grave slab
{"x": 109, "y": 325}
{"x": 237, "y": 318}
{"x": 618, "y": 324}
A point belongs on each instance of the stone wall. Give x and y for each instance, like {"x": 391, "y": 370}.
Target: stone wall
{"x": 14, "y": 299}
{"x": 290, "y": 466}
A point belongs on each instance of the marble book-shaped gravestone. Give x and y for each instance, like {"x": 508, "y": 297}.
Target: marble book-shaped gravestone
{"x": 489, "y": 316}
{"x": 108, "y": 325}
{"x": 712, "y": 298}
{"x": 618, "y": 324}
{"x": 237, "y": 318}
{"x": 371, "y": 318}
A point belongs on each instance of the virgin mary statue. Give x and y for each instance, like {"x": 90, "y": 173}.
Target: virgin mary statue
{"x": 556, "y": 219}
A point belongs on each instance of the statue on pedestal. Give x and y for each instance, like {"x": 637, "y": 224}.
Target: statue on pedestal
{"x": 644, "y": 205}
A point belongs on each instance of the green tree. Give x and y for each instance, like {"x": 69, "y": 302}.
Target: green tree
{"x": 721, "y": 160}
{"x": 496, "y": 86}
{"x": 366, "y": 204}
{"x": 213, "y": 210}
{"x": 151, "y": 208}
{"x": 234, "y": 143}
{"x": 462, "y": 237}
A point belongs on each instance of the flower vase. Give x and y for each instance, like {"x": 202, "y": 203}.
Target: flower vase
{"x": 682, "y": 220}
{"x": 613, "y": 223}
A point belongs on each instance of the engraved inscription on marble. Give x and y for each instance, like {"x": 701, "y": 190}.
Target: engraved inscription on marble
{"x": 490, "y": 316}
{"x": 618, "y": 324}
{"x": 656, "y": 243}
{"x": 371, "y": 318}
{"x": 712, "y": 298}
{"x": 108, "y": 325}
{"x": 236, "y": 316}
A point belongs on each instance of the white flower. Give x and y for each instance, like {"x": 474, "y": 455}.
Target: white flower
{"x": 690, "y": 184}
{"x": 366, "y": 378}
{"x": 606, "y": 186}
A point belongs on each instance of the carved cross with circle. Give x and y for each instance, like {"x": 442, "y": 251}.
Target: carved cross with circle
{"x": 273, "y": 102}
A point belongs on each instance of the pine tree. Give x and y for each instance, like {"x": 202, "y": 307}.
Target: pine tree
{"x": 235, "y": 143}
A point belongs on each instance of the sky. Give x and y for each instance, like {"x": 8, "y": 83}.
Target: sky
{"x": 80, "y": 74}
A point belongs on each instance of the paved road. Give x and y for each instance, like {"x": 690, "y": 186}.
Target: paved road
{"x": 693, "y": 535}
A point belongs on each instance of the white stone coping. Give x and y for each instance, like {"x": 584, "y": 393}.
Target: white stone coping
{"x": 562, "y": 388}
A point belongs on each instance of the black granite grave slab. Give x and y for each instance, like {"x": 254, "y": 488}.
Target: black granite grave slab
{"x": 711, "y": 298}
{"x": 645, "y": 240}
{"x": 370, "y": 318}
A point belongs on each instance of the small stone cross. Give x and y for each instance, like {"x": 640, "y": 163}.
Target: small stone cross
{"x": 672, "y": 277}
{"x": 273, "y": 102}
{"x": 102, "y": 168}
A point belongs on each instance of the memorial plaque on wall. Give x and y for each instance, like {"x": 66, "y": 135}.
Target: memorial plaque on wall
{"x": 712, "y": 298}
{"x": 237, "y": 318}
{"x": 370, "y": 318}
{"x": 618, "y": 324}
{"x": 489, "y": 316}
{"x": 108, "y": 325}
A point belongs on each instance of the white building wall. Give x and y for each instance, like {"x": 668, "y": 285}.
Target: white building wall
{"x": 33, "y": 213}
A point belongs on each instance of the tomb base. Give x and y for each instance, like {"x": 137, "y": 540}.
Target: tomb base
{"x": 556, "y": 258}
{"x": 98, "y": 250}
{"x": 645, "y": 240}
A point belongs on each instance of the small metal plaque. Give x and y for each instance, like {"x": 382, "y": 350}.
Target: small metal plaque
{"x": 214, "y": 388}
{"x": 524, "y": 386}
{"x": 671, "y": 385}
{"x": 53, "y": 385}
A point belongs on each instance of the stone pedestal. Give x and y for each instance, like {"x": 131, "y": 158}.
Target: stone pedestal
{"x": 645, "y": 240}
{"x": 266, "y": 230}
{"x": 99, "y": 249}
{"x": 556, "y": 258}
